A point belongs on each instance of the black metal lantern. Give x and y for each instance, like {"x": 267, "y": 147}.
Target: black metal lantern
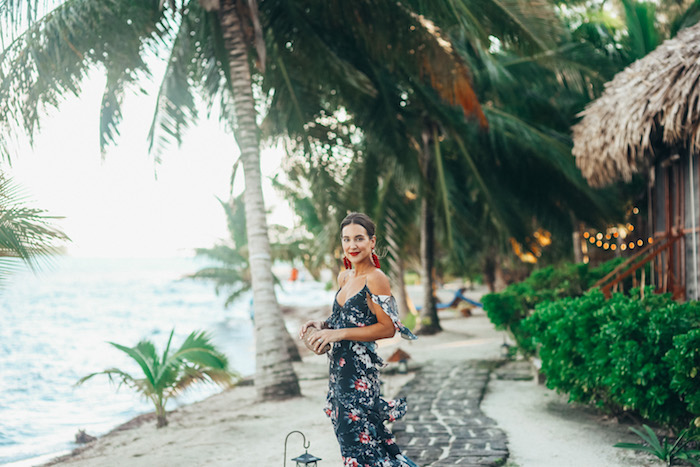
{"x": 305, "y": 459}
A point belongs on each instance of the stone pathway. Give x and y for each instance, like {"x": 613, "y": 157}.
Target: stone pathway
{"x": 444, "y": 424}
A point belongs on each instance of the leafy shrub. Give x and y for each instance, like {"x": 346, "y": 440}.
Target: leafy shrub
{"x": 563, "y": 330}
{"x": 619, "y": 353}
{"x": 684, "y": 359}
{"x": 508, "y": 308}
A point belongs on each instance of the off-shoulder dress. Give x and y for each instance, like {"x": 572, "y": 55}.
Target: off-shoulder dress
{"x": 354, "y": 405}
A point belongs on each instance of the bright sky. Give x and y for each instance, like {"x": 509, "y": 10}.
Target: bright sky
{"x": 117, "y": 207}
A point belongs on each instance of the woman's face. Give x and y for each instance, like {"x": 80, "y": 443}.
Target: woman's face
{"x": 357, "y": 244}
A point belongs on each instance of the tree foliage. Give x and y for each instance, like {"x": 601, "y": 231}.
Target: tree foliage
{"x": 167, "y": 375}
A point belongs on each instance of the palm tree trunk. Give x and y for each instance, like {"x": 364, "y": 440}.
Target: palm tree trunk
{"x": 161, "y": 414}
{"x": 396, "y": 267}
{"x": 576, "y": 238}
{"x": 399, "y": 287}
{"x": 429, "y": 322}
{"x": 274, "y": 373}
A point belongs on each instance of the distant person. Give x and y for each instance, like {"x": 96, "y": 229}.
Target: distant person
{"x": 368, "y": 313}
{"x": 294, "y": 275}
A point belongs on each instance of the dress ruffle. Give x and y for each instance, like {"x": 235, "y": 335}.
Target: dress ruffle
{"x": 388, "y": 304}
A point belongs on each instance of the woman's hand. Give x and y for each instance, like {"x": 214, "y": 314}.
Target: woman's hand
{"x": 325, "y": 337}
{"x": 310, "y": 324}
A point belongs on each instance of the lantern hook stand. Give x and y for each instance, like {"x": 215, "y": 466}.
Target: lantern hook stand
{"x": 306, "y": 444}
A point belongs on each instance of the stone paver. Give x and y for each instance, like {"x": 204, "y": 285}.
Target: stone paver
{"x": 444, "y": 424}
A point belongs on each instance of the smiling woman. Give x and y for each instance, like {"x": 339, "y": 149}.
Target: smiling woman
{"x": 363, "y": 311}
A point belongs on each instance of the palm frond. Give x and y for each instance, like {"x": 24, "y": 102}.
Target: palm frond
{"x": 25, "y": 233}
{"x": 641, "y": 27}
{"x": 190, "y": 65}
{"x": 145, "y": 361}
{"x": 198, "y": 349}
{"x": 194, "y": 374}
{"x": 53, "y": 56}
{"x": 114, "y": 374}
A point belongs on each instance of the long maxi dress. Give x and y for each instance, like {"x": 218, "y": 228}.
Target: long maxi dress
{"x": 353, "y": 403}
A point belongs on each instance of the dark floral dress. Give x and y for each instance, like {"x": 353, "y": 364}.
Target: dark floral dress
{"x": 353, "y": 403}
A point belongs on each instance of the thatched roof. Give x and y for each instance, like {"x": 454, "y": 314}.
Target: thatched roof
{"x": 654, "y": 101}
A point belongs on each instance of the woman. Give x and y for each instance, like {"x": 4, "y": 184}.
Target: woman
{"x": 363, "y": 311}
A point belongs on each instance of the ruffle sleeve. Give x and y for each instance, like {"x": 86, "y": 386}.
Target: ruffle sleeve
{"x": 388, "y": 304}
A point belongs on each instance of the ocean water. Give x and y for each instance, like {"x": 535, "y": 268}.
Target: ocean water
{"x": 54, "y": 329}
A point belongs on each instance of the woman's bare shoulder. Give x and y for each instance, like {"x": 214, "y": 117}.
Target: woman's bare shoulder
{"x": 378, "y": 283}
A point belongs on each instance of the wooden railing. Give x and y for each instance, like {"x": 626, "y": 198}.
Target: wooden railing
{"x": 633, "y": 263}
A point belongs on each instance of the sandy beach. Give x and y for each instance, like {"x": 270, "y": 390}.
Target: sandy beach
{"x": 232, "y": 428}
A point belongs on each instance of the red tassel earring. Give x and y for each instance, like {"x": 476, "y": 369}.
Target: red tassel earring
{"x": 375, "y": 260}
{"x": 347, "y": 263}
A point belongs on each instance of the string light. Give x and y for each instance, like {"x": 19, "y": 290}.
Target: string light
{"x": 618, "y": 232}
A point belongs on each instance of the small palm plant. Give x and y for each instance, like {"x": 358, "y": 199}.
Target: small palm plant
{"x": 167, "y": 376}
{"x": 666, "y": 451}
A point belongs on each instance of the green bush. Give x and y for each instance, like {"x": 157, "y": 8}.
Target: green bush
{"x": 508, "y": 308}
{"x": 562, "y": 330}
{"x": 684, "y": 359}
{"x": 622, "y": 353}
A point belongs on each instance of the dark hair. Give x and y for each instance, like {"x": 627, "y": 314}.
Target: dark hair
{"x": 359, "y": 219}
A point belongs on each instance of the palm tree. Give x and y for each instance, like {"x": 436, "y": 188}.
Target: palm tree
{"x": 25, "y": 233}
{"x": 168, "y": 375}
{"x": 210, "y": 46}
{"x": 231, "y": 269}
{"x": 401, "y": 116}
{"x": 208, "y": 51}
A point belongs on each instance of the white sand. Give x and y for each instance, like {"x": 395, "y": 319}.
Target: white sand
{"x": 231, "y": 428}
{"x": 545, "y": 431}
